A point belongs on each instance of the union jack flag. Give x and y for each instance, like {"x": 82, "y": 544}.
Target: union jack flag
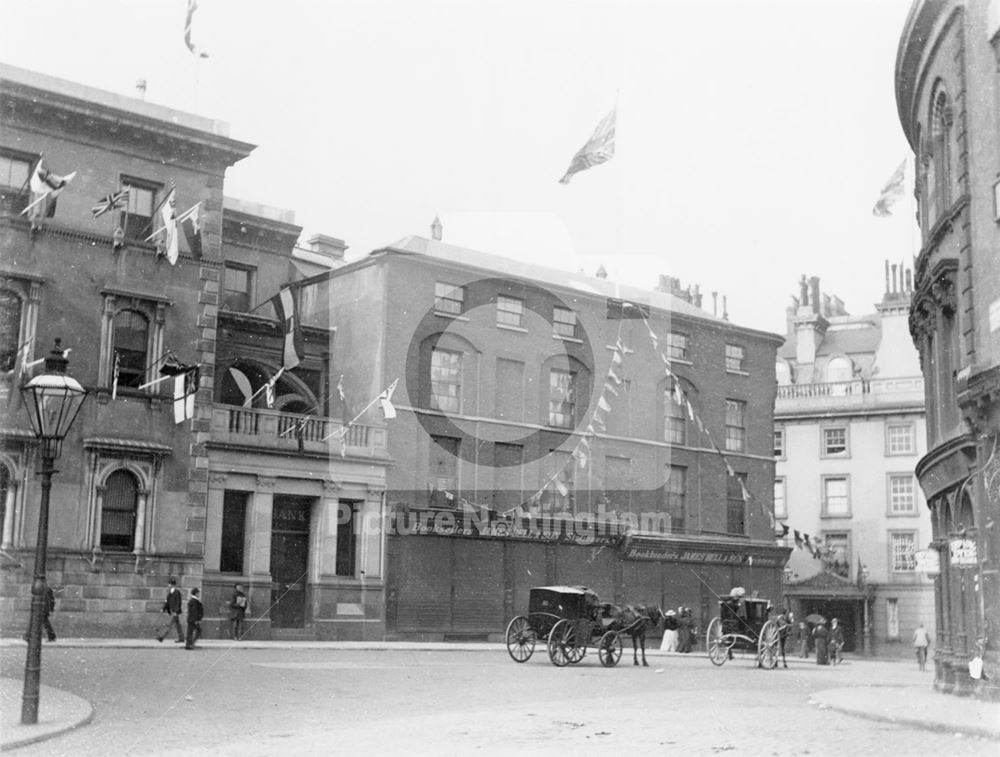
{"x": 110, "y": 202}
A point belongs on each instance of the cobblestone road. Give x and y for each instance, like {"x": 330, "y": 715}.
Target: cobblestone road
{"x": 249, "y": 702}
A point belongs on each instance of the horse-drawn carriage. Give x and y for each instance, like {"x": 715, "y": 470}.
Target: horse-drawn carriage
{"x": 744, "y": 623}
{"x": 568, "y": 619}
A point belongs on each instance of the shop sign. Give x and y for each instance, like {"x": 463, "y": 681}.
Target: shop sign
{"x": 673, "y": 553}
{"x": 928, "y": 561}
{"x": 963, "y": 552}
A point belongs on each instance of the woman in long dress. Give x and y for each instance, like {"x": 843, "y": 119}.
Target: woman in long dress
{"x": 669, "y": 641}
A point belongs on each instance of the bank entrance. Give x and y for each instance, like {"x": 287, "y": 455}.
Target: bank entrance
{"x": 289, "y": 560}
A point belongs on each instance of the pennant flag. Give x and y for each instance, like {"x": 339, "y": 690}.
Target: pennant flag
{"x": 192, "y": 7}
{"x": 745, "y": 492}
{"x": 860, "y": 578}
{"x": 809, "y": 546}
{"x": 784, "y": 530}
{"x": 609, "y": 388}
{"x": 616, "y": 358}
{"x": 190, "y": 222}
{"x": 560, "y": 486}
{"x": 114, "y": 378}
{"x": 340, "y": 388}
{"x": 598, "y": 149}
{"x": 603, "y": 404}
{"x": 798, "y": 539}
{"x": 891, "y": 192}
{"x": 729, "y": 470}
{"x": 614, "y": 376}
{"x": 286, "y": 308}
{"x": 243, "y": 384}
{"x": 110, "y": 202}
{"x": 384, "y": 400}
{"x": 678, "y": 394}
{"x": 45, "y": 189}
{"x": 690, "y": 408}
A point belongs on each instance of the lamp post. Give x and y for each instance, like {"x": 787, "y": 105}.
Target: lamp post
{"x": 52, "y": 400}
{"x": 866, "y": 631}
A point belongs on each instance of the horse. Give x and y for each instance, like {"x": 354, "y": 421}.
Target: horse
{"x": 636, "y": 621}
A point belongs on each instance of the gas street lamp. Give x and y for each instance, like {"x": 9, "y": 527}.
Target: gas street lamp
{"x": 52, "y": 400}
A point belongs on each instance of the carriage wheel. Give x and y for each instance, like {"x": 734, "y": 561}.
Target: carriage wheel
{"x": 718, "y": 652}
{"x": 767, "y": 645}
{"x": 520, "y": 639}
{"x": 561, "y": 635}
{"x": 609, "y": 650}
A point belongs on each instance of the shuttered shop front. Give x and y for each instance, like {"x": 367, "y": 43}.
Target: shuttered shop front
{"x": 477, "y": 586}
{"x": 423, "y": 584}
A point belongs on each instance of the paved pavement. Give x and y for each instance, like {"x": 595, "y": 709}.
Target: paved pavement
{"x": 911, "y": 706}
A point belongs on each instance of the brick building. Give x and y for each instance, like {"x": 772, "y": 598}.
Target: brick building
{"x": 947, "y": 90}
{"x": 848, "y": 432}
{"x": 503, "y": 369}
{"x": 222, "y": 496}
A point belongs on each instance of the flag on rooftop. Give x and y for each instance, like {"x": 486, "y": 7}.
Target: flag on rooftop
{"x": 110, "y": 202}
{"x": 168, "y": 215}
{"x": 598, "y": 149}
{"x": 192, "y": 6}
{"x": 891, "y": 192}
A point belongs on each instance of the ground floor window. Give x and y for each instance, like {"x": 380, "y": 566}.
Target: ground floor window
{"x": 118, "y": 513}
{"x": 234, "y": 518}
{"x": 892, "y": 618}
{"x": 347, "y": 538}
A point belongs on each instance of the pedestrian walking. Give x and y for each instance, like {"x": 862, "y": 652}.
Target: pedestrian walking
{"x": 195, "y": 613}
{"x": 836, "y": 642}
{"x": 786, "y": 622}
{"x": 48, "y": 607}
{"x": 921, "y": 640}
{"x": 238, "y": 607}
{"x": 822, "y": 637}
{"x": 172, "y": 605}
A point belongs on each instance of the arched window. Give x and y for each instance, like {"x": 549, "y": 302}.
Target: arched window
{"x": 131, "y": 343}
{"x": 10, "y": 328}
{"x": 783, "y": 373}
{"x": 118, "y": 511}
{"x": 939, "y": 166}
{"x": 839, "y": 369}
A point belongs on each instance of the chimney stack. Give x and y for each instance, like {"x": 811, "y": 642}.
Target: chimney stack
{"x": 331, "y": 247}
{"x": 715, "y": 304}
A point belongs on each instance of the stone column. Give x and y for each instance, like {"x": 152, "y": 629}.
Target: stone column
{"x": 139, "y": 538}
{"x": 371, "y": 535}
{"x": 324, "y": 532}
{"x": 213, "y": 521}
{"x": 259, "y": 530}
{"x": 8, "y": 517}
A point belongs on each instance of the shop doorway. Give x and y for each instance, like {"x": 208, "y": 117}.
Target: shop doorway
{"x": 289, "y": 560}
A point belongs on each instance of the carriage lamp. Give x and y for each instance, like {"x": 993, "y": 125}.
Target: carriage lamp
{"x": 53, "y": 401}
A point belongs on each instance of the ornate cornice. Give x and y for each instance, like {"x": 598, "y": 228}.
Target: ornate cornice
{"x": 935, "y": 293}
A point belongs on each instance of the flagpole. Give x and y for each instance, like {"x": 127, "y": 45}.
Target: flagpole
{"x": 156, "y": 210}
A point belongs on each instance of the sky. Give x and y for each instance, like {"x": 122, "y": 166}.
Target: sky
{"x": 752, "y": 137}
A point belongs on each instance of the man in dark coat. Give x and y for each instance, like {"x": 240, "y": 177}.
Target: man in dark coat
{"x": 173, "y": 606}
{"x": 48, "y": 608}
{"x": 195, "y": 613}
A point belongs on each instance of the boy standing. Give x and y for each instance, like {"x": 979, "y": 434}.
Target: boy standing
{"x": 237, "y": 612}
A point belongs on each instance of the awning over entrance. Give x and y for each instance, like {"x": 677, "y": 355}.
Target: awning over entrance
{"x": 827, "y": 586}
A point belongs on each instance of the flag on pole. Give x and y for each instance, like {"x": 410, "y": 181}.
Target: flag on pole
{"x": 45, "y": 189}
{"x": 891, "y": 192}
{"x": 110, "y": 202}
{"x": 340, "y": 388}
{"x": 598, "y": 149}
{"x": 242, "y": 382}
{"x": 269, "y": 387}
{"x": 168, "y": 215}
{"x": 185, "y": 387}
{"x": 190, "y": 222}
{"x": 385, "y": 400}
{"x": 188, "y": 20}
{"x": 286, "y": 309}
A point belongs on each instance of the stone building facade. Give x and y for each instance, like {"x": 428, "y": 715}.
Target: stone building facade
{"x": 948, "y": 99}
{"x": 849, "y": 430}
{"x": 139, "y": 497}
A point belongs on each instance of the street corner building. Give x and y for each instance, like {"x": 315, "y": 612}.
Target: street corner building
{"x": 208, "y": 452}
{"x": 848, "y": 432}
{"x": 554, "y": 428}
{"x": 947, "y": 90}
